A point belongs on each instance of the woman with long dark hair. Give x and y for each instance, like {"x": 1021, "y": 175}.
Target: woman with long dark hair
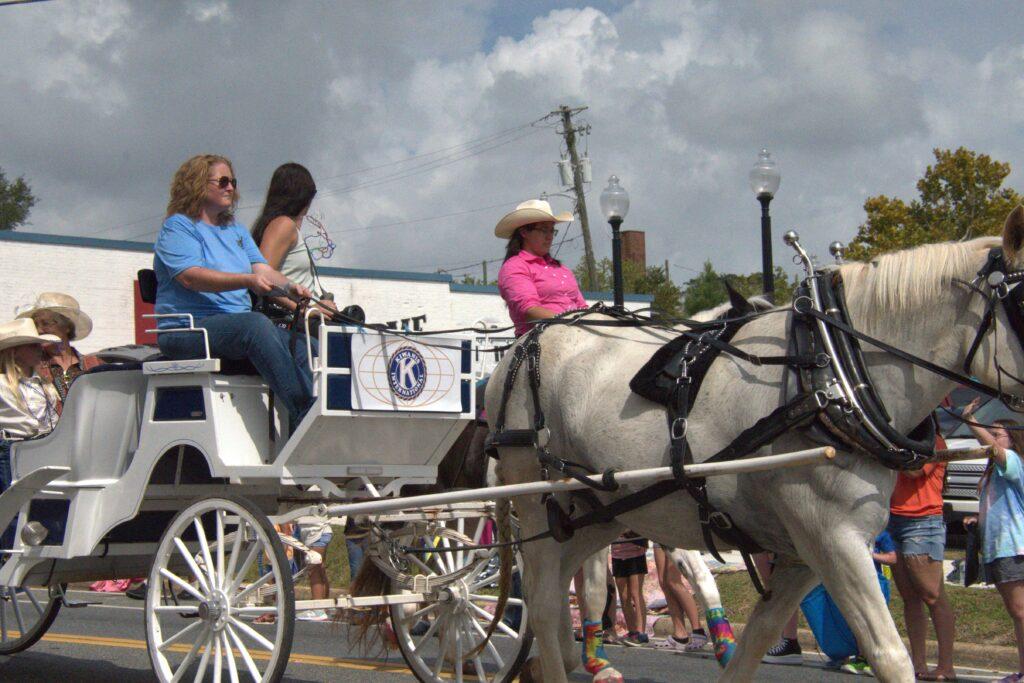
{"x": 278, "y": 231}
{"x": 533, "y": 283}
{"x": 1001, "y": 518}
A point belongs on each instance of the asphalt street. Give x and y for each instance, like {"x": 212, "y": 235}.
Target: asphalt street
{"x": 106, "y": 642}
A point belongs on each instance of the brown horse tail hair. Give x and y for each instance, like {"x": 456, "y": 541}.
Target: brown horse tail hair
{"x": 369, "y": 623}
{"x": 503, "y": 521}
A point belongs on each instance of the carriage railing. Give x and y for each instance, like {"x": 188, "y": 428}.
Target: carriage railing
{"x": 207, "y": 362}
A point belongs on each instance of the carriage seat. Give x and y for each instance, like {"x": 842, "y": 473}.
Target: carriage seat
{"x": 147, "y": 292}
{"x": 98, "y": 431}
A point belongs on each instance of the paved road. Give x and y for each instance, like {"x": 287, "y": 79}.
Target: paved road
{"x": 106, "y": 643}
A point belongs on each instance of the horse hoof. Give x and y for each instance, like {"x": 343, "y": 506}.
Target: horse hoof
{"x": 531, "y": 672}
{"x": 608, "y": 675}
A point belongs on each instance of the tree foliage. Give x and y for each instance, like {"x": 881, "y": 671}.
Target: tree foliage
{"x": 707, "y": 289}
{"x": 960, "y": 197}
{"x": 652, "y": 280}
{"x": 16, "y": 200}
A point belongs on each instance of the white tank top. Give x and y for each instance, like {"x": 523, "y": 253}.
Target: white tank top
{"x": 297, "y": 265}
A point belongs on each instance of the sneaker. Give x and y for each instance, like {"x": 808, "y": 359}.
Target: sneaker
{"x": 672, "y": 644}
{"x": 610, "y": 637}
{"x": 420, "y": 628}
{"x": 787, "y": 651}
{"x": 635, "y": 639}
{"x": 137, "y": 593}
{"x": 1012, "y": 678}
{"x": 698, "y": 641}
{"x": 858, "y": 666}
{"x": 313, "y": 615}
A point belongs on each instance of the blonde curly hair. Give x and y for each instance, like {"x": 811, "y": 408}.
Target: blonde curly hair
{"x": 189, "y": 187}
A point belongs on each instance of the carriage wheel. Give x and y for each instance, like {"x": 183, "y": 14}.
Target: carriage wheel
{"x": 210, "y": 551}
{"x": 434, "y": 636}
{"x": 26, "y": 613}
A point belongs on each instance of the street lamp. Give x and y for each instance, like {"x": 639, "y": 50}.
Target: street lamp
{"x": 615, "y": 206}
{"x": 764, "y": 181}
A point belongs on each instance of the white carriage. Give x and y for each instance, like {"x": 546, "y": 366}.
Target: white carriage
{"x": 178, "y": 471}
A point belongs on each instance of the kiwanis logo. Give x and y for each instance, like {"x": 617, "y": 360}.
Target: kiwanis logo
{"x": 407, "y": 373}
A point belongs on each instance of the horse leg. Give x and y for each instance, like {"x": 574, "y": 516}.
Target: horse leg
{"x": 692, "y": 566}
{"x": 852, "y": 582}
{"x": 547, "y": 598}
{"x": 789, "y": 583}
{"x": 595, "y": 579}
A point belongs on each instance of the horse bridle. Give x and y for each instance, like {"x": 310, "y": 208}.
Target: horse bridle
{"x": 1001, "y": 290}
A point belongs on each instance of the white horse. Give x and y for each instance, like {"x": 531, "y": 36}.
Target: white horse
{"x": 820, "y": 519}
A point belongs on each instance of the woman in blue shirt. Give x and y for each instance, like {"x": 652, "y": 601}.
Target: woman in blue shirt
{"x": 1001, "y": 518}
{"x": 205, "y": 265}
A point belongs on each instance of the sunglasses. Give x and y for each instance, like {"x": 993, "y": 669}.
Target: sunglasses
{"x": 224, "y": 181}
{"x": 547, "y": 231}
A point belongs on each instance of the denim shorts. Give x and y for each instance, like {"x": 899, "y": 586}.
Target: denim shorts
{"x": 919, "y": 535}
{"x": 1005, "y": 569}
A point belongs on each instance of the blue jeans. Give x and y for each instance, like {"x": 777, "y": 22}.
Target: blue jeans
{"x": 919, "y": 535}
{"x": 252, "y": 337}
{"x": 7, "y": 537}
{"x": 355, "y": 555}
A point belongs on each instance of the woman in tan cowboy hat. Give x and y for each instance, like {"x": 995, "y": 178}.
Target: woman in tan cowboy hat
{"x": 27, "y": 402}
{"x": 534, "y": 284}
{"x": 59, "y": 314}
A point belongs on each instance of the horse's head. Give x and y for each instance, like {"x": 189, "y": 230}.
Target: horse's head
{"x": 995, "y": 352}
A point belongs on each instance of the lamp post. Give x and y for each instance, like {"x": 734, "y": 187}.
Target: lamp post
{"x": 615, "y": 206}
{"x": 764, "y": 181}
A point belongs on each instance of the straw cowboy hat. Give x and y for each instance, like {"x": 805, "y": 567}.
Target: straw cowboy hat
{"x": 23, "y": 331}
{"x": 65, "y": 305}
{"x": 530, "y": 211}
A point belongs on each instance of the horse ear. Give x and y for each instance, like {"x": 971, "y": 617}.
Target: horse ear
{"x": 736, "y": 300}
{"x": 1013, "y": 235}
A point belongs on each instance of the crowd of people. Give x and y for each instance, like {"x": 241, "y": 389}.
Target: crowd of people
{"x": 206, "y": 266}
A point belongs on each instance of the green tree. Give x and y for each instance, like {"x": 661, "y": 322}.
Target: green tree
{"x": 16, "y": 200}
{"x": 652, "y": 280}
{"x": 960, "y": 197}
{"x": 707, "y": 289}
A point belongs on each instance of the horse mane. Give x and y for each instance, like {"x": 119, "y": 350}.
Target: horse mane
{"x": 907, "y": 281}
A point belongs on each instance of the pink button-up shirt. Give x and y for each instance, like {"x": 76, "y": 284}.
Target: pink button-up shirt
{"x": 527, "y": 280}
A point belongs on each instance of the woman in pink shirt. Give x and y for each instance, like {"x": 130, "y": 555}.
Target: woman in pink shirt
{"x": 534, "y": 284}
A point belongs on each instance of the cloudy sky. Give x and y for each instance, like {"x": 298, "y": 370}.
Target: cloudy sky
{"x": 415, "y": 117}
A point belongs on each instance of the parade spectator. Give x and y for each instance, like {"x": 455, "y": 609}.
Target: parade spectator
{"x": 204, "y": 262}
{"x": 316, "y": 535}
{"x": 787, "y": 650}
{"x": 533, "y": 283}
{"x": 629, "y": 567}
{"x": 680, "y": 602}
{"x": 919, "y": 532}
{"x": 28, "y": 403}
{"x": 1001, "y": 518}
{"x": 59, "y": 314}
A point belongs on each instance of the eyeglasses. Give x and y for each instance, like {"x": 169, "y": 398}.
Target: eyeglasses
{"x": 224, "y": 181}
{"x": 547, "y": 231}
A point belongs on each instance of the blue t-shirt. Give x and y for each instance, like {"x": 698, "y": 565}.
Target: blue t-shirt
{"x": 883, "y": 544}
{"x": 1001, "y": 513}
{"x": 184, "y": 243}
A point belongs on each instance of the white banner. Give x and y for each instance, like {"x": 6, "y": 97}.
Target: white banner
{"x": 397, "y": 374}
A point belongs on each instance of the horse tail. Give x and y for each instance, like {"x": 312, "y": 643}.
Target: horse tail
{"x": 371, "y": 622}
{"x": 503, "y": 522}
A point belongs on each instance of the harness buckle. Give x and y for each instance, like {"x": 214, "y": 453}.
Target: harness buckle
{"x": 800, "y": 307}
{"x": 720, "y": 520}
{"x": 678, "y": 428}
{"x": 822, "y": 360}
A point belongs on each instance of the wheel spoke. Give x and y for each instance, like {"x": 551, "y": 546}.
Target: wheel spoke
{"x": 220, "y": 550}
{"x": 448, "y": 557}
{"x": 176, "y": 609}
{"x": 3, "y": 621}
{"x": 190, "y": 561}
{"x": 254, "y": 634}
{"x": 187, "y": 661}
{"x": 250, "y": 557}
{"x": 490, "y": 646}
{"x": 441, "y": 652}
{"x": 481, "y": 672}
{"x": 244, "y": 652}
{"x": 205, "y": 660}
{"x": 244, "y": 593}
{"x": 230, "y": 655}
{"x": 34, "y": 601}
{"x": 426, "y": 636}
{"x": 460, "y": 526}
{"x": 416, "y": 560}
{"x": 17, "y": 612}
{"x": 184, "y": 585}
{"x": 415, "y": 616}
{"x": 502, "y": 626}
{"x": 218, "y": 663}
{"x": 182, "y": 634}
{"x": 204, "y": 545}
{"x": 236, "y": 546}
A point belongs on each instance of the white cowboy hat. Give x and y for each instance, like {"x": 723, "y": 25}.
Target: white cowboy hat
{"x": 23, "y": 331}
{"x": 530, "y": 211}
{"x": 65, "y": 305}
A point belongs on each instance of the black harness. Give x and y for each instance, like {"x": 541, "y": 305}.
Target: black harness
{"x": 834, "y": 399}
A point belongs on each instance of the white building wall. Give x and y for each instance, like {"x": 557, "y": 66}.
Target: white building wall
{"x": 100, "y": 274}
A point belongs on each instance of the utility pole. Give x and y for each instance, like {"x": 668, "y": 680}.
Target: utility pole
{"x": 484, "y": 264}
{"x": 581, "y": 205}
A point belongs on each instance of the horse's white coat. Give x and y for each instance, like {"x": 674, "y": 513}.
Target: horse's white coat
{"x": 820, "y": 519}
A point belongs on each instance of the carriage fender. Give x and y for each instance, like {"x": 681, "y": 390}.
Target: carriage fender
{"x": 21, "y": 491}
